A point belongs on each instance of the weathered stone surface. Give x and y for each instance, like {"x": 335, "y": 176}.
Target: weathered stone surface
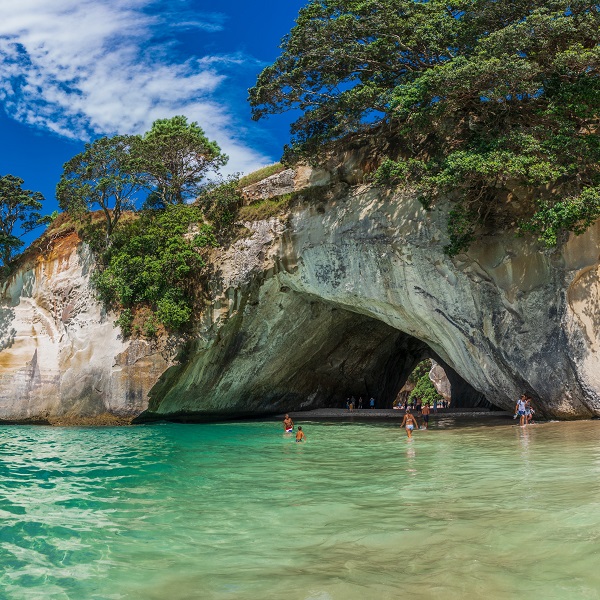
{"x": 440, "y": 381}
{"x": 344, "y": 296}
{"x": 62, "y": 359}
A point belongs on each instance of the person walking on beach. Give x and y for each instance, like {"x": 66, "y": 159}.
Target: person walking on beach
{"x": 300, "y": 437}
{"x": 372, "y": 402}
{"x": 360, "y": 401}
{"x": 425, "y": 412}
{"x": 409, "y": 422}
{"x": 529, "y": 412}
{"x": 288, "y": 424}
{"x": 352, "y": 403}
{"x": 520, "y": 409}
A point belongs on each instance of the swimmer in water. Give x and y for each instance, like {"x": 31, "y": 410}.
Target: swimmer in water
{"x": 409, "y": 422}
{"x": 288, "y": 424}
{"x": 300, "y": 437}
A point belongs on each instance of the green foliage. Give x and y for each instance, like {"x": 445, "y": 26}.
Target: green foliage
{"x": 105, "y": 176}
{"x": 220, "y": 201}
{"x": 19, "y": 213}
{"x": 574, "y": 214}
{"x": 175, "y": 157}
{"x": 261, "y": 174}
{"x": 473, "y": 99}
{"x": 153, "y": 262}
{"x": 421, "y": 369}
{"x": 425, "y": 391}
{"x": 265, "y": 209}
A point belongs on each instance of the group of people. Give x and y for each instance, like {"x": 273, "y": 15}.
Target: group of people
{"x": 524, "y": 410}
{"x": 409, "y": 422}
{"x": 351, "y": 403}
{"x": 288, "y": 426}
{"x": 417, "y": 405}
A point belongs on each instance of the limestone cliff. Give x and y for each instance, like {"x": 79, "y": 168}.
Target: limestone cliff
{"x": 344, "y": 294}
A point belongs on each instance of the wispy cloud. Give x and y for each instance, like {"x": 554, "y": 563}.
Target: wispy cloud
{"x": 81, "y": 68}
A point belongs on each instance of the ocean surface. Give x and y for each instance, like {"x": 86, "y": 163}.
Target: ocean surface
{"x": 241, "y": 511}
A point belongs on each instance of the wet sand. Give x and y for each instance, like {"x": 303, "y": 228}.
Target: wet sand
{"x": 375, "y": 413}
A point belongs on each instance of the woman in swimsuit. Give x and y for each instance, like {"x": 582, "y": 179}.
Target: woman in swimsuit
{"x": 409, "y": 422}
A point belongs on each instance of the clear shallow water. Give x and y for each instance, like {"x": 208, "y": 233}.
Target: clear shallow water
{"x": 239, "y": 511}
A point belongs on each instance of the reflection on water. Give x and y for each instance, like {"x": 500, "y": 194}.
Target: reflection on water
{"x": 240, "y": 511}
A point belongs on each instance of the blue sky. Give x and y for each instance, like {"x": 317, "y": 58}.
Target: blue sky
{"x": 74, "y": 70}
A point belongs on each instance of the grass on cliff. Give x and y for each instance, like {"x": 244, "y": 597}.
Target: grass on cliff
{"x": 261, "y": 174}
{"x": 265, "y": 209}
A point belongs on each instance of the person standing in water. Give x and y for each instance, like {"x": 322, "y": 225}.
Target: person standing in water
{"x": 409, "y": 422}
{"x": 300, "y": 437}
{"x": 520, "y": 409}
{"x": 529, "y": 412}
{"x": 425, "y": 412}
{"x": 288, "y": 424}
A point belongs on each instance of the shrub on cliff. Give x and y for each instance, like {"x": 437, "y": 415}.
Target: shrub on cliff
{"x": 152, "y": 267}
{"x": 425, "y": 391}
{"x": 472, "y": 100}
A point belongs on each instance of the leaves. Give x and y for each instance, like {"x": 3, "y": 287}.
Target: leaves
{"x": 105, "y": 176}
{"x": 153, "y": 262}
{"x": 175, "y": 157}
{"x": 470, "y": 99}
{"x": 19, "y": 214}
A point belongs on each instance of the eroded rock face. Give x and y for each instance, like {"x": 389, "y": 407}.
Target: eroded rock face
{"x": 440, "y": 381}
{"x": 62, "y": 359}
{"x": 506, "y": 318}
{"x": 343, "y": 296}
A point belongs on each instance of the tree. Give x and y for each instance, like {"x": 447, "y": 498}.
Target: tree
{"x": 176, "y": 156}
{"x": 105, "y": 175}
{"x": 470, "y": 99}
{"x": 19, "y": 212}
{"x": 425, "y": 391}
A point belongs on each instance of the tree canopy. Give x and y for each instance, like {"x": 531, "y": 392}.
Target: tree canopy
{"x": 19, "y": 214}
{"x": 474, "y": 99}
{"x": 175, "y": 157}
{"x": 104, "y": 176}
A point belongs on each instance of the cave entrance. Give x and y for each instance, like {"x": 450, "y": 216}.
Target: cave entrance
{"x": 306, "y": 354}
{"x": 332, "y": 355}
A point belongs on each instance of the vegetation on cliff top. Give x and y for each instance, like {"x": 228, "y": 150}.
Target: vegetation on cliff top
{"x": 472, "y": 100}
{"x": 19, "y": 213}
{"x": 150, "y": 242}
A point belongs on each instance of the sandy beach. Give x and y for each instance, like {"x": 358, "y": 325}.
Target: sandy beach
{"x": 367, "y": 413}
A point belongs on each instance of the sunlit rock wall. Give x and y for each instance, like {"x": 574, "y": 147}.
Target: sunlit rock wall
{"x": 507, "y": 317}
{"x": 343, "y": 295}
{"x": 61, "y": 358}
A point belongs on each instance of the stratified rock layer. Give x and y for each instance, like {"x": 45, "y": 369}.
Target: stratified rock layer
{"x": 342, "y": 296}
{"x": 62, "y": 360}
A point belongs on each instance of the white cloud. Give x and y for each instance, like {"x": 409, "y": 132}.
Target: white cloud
{"x": 81, "y": 68}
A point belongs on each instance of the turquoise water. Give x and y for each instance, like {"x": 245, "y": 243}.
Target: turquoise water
{"x": 239, "y": 511}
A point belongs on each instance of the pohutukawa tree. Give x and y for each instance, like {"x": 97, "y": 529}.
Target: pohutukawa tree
{"x": 477, "y": 98}
{"x": 19, "y": 214}
{"x": 105, "y": 176}
{"x": 175, "y": 157}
